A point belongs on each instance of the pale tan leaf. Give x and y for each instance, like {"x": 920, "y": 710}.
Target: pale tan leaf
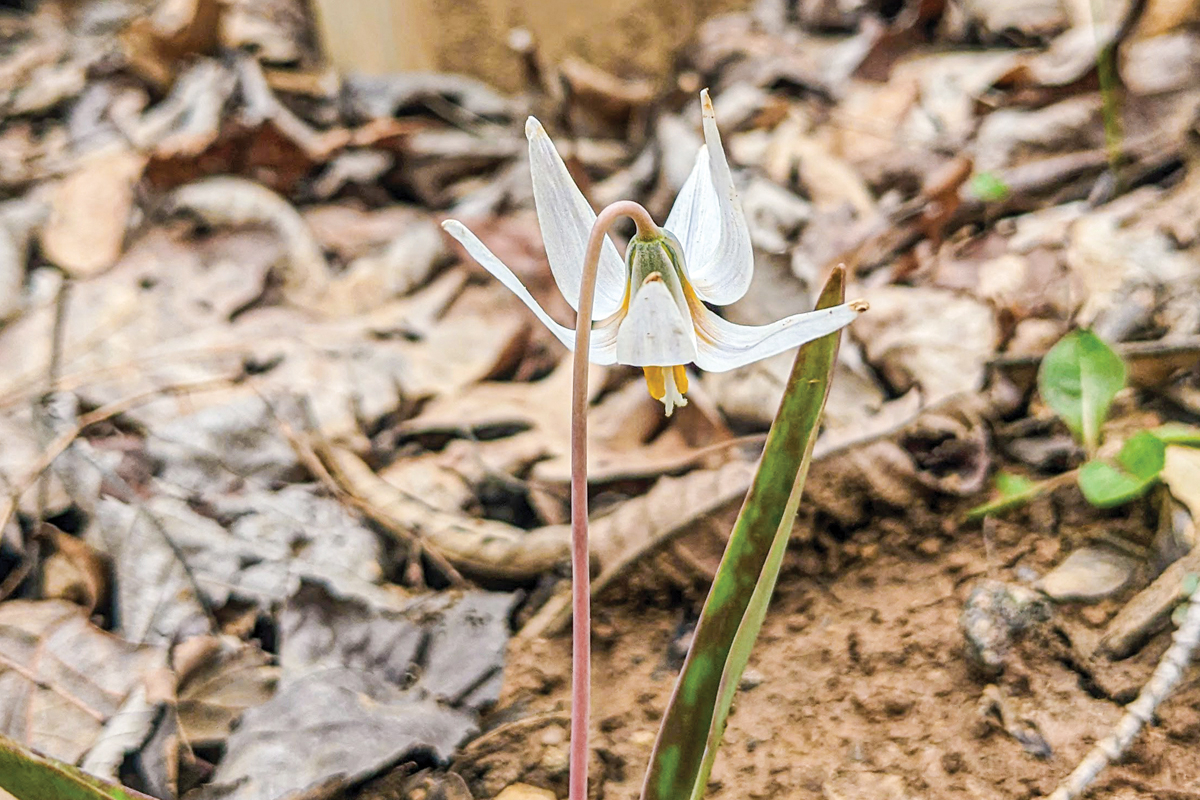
{"x": 89, "y": 213}
{"x": 482, "y": 547}
{"x": 62, "y": 678}
{"x": 1181, "y": 474}
{"x": 219, "y": 678}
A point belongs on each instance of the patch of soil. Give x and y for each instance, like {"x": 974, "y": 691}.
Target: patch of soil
{"x": 859, "y": 688}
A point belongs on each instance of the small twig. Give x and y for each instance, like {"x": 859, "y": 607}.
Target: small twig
{"x": 316, "y": 454}
{"x": 1140, "y": 711}
{"x": 33, "y": 543}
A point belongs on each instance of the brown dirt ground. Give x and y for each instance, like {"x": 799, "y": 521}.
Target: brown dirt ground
{"x": 864, "y": 691}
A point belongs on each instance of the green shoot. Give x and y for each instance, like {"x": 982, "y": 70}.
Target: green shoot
{"x": 1078, "y": 379}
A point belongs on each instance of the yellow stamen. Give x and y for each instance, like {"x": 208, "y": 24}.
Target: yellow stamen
{"x": 656, "y": 382}
{"x": 680, "y": 378}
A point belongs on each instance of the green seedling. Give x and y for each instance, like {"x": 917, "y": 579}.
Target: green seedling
{"x": 1078, "y": 380}
{"x": 988, "y": 187}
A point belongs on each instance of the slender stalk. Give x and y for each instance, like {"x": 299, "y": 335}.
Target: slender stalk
{"x": 581, "y": 596}
{"x": 1164, "y": 680}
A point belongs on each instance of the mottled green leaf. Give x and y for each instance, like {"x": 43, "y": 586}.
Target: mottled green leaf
{"x": 694, "y": 720}
{"x": 28, "y": 776}
{"x": 1078, "y": 379}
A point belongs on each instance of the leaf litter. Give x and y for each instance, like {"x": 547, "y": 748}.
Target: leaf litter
{"x": 284, "y": 476}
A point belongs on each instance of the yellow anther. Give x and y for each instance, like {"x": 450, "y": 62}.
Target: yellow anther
{"x": 656, "y": 381}
{"x": 680, "y": 378}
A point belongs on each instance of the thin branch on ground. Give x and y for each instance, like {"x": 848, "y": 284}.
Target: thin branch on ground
{"x": 1166, "y": 676}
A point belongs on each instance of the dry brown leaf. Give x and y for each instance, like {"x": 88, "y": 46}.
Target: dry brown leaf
{"x": 156, "y": 43}
{"x": 1164, "y": 16}
{"x": 90, "y": 211}
{"x": 936, "y": 340}
{"x": 75, "y": 572}
{"x": 274, "y": 31}
{"x": 61, "y": 678}
{"x": 1181, "y": 474}
{"x": 224, "y": 202}
{"x": 827, "y": 179}
{"x": 219, "y": 678}
{"x": 1127, "y": 277}
{"x": 481, "y": 547}
{"x": 523, "y": 791}
{"x": 646, "y": 524}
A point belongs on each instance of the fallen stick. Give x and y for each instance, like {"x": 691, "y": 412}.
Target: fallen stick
{"x": 1140, "y": 711}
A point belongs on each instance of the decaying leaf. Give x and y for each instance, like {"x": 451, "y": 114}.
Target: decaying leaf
{"x": 175, "y": 567}
{"x": 936, "y": 340}
{"x": 219, "y": 678}
{"x": 477, "y": 546}
{"x": 61, "y": 678}
{"x": 90, "y": 211}
{"x": 239, "y": 202}
{"x": 359, "y": 723}
{"x": 1181, "y": 474}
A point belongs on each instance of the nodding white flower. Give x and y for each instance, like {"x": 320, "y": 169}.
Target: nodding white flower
{"x": 649, "y": 309}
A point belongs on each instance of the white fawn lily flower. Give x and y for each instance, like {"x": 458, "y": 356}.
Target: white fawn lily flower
{"x": 649, "y": 309}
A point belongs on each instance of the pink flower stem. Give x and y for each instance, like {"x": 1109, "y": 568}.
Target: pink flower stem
{"x": 581, "y": 593}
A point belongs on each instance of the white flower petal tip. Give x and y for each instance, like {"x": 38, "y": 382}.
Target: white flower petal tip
{"x": 723, "y": 345}
{"x": 707, "y": 219}
{"x": 566, "y": 220}
{"x": 603, "y": 349}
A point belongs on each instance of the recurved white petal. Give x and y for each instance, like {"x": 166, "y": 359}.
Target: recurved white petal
{"x": 603, "y": 349}
{"x": 656, "y": 332}
{"x": 707, "y": 219}
{"x": 566, "y": 221}
{"x": 722, "y": 345}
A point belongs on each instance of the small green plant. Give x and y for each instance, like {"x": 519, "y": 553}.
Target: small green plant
{"x": 988, "y": 187}
{"x": 1078, "y": 380}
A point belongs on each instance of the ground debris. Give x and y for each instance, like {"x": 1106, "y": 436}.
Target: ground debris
{"x": 282, "y": 473}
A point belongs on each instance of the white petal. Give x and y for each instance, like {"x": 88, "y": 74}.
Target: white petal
{"x": 707, "y": 218}
{"x": 566, "y": 220}
{"x": 655, "y": 332}
{"x": 604, "y": 338}
{"x": 722, "y": 345}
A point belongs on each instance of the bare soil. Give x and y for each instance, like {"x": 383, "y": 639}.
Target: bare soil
{"x": 860, "y": 688}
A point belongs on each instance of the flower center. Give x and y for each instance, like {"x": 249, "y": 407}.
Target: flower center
{"x": 667, "y": 385}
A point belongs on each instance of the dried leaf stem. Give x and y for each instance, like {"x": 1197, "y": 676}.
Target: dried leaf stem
{"x": 581, "y": 639}
{"x": 1141, "y": 710}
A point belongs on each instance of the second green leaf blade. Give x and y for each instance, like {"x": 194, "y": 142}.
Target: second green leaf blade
{"x": 694, "y": 720}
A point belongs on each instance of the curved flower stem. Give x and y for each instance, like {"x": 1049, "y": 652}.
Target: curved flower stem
{"x": 581, "y": 596}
